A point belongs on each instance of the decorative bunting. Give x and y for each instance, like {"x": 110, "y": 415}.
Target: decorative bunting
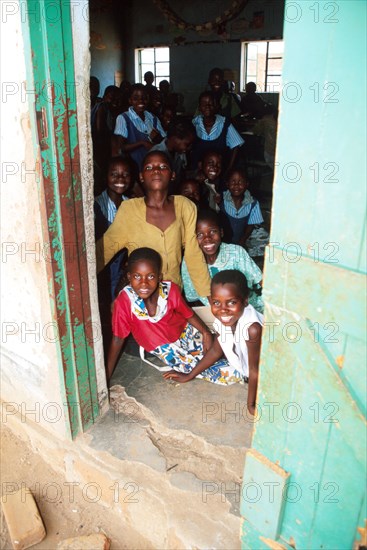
{"x": 172, "y": 17}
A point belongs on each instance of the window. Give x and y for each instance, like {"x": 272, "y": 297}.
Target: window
{"x": 262, "y": 63}
{"x": 155, "y": 60}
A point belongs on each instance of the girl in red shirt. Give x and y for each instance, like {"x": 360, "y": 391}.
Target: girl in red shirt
{"x": 161, "y": 322}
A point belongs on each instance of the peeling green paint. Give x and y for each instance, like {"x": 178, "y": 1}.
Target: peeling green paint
{"x": 51, "y": 47}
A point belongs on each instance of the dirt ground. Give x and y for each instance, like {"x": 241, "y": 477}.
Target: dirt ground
{"x": 65, "y": 513}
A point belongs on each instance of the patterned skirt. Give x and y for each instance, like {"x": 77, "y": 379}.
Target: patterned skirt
{"x": 184, "y": 354}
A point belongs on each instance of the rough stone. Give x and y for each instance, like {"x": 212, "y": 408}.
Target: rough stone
{"x": 23, "y": 519}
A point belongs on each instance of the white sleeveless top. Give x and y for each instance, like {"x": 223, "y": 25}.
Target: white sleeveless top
{"x": 234, "y": 344}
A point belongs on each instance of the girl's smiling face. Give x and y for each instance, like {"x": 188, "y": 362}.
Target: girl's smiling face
{"x": 226, "y": 304}
{"x": 212, "y": 166}
{"x": 138, "y": 101}
{"x": 209, "y": 237}
{"x": 207, "y": 106}
{"x": 236, "y": 184}
{"x": 118, "y": 177}
{"x": 156, "y": 172}
{"x": 144, "y": 278}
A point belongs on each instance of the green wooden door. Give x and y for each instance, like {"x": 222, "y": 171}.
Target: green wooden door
{"x": 47, "y": 31}
{"x": 305, "y": 476}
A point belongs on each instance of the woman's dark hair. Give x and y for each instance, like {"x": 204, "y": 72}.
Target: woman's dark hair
{"x": 231, "y": 277}
{"x": 161, "y": 153}
{"x": 146, "y": 254}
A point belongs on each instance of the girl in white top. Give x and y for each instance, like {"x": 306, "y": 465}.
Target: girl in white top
{"x": 239, "y": 327}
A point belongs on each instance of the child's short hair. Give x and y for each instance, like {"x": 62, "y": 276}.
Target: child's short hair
{"x": 216, "y": 71}
{"x": 208, "y": 215}
{"x": 208, "y": 93}
{"x": 146, "y": 254}
{"x": 231, "y": 277}
{"x": 234, "y": 170}
{"x": 210, "y": 153}
{"x": 181, "y": 128}
{"x": 137, "y": 87}
{"x": 110, "y": 90}
{"x": 161, "y": 153}
{"x": 115, "y": 160}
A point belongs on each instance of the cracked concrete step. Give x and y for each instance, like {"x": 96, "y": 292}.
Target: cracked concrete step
{"x": 186, "y": 450}
{"x": 216, "y": 413}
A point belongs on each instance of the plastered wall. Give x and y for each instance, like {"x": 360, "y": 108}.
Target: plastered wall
{"x": 30, "y": 374}
{"x": 29, "y": 352}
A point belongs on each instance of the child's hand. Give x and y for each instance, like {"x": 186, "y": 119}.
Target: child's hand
{"x": 155, "y": 136}
{"x": 242, "y": 242}
{"x": 207, "y": 341}
{"x": 147, "y": 144}
{"x": 218, "y": 198}
{"x": 251, "y": 409}
{"x": 177, "y": 376}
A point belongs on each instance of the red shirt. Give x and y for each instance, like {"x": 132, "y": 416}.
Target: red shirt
{"x": 147, "y": 334}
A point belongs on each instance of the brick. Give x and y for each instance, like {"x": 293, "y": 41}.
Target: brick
{"x": 23, "y": 519}
{"x": 87, "y": 542}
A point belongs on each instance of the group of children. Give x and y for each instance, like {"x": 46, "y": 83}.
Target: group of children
{"x": 161, "y": 230}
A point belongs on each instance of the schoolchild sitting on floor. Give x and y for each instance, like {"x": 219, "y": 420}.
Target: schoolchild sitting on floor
{"x": 154, "y": 311}
{"x": 214, "y": 132}
{"x": 137, "y": 130}
{"x": 161, "y": 221}
{"x": 220, "y": 256}
{"x": 239, "y": 327}
{"x": 240, "y": 208}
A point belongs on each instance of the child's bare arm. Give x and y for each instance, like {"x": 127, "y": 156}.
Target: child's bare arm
{"x": 246, "y": 234}
{"x": 113, "y": 354}
{"x": 207, "y": 361}
{"x": 253, "y": 349}
{"x": 196, "y": 322}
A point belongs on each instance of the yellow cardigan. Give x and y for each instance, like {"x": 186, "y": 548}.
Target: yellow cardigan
{"x": 131, "y": 230}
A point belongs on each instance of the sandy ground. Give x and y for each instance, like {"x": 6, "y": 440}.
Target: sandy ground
{"x": 63, "y": 516}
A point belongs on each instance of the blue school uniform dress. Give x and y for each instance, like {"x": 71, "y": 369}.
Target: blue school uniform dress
{"x": 104, "y": 214}
{"x": 249, "y": 213}
{"x": 222, "y": 136}
{"x": 130, "y": 126}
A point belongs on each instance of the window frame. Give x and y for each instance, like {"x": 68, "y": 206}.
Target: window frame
{"x": 244, "y": 63}
{"x": 139, "y": 72}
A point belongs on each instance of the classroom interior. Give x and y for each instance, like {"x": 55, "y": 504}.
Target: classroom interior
{"x": 127, "y": 39}
{"x": 131, "y": 37}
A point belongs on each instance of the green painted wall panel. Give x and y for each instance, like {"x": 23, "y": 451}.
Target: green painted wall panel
{"x": 316, "y": 431}
{"x": 321, "y": 136}
{"x": 324, "y": 293}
